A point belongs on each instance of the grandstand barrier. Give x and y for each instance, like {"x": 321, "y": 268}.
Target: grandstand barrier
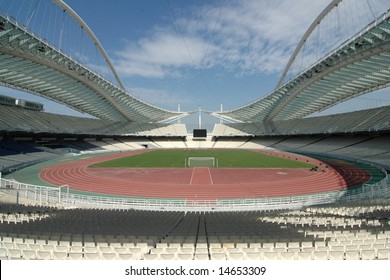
{"x": 61, "y": 197}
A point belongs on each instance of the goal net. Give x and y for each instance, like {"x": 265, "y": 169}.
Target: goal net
{"x": 201, "y": 161}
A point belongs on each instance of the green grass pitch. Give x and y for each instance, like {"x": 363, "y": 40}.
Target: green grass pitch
{"x": 226, "y": 158}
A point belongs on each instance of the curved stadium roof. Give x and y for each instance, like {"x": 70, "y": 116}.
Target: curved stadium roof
{"x": 27, "y": 62}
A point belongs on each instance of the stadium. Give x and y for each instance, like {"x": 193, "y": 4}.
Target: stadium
{"x": 270, "y": 181}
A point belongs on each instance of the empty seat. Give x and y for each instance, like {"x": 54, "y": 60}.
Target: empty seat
{"x": 21, "y": 246}
{"x": 368, "y": 254}
{"x": 161, "y": 245}
{"x": 91, "y": 256}
{"x": 14, "y": 254}
{"x": 270, "y": 255}
{"x": 383, "y": 254}
{"x": 252, "y": 256}
{"x": 201, "y": 245}
{"x": 218, "y": 256}
{"x": 202, "y": 251}
{"x": 201, "y": 257}
{"x": 29, "y": 255}
{"x": 185, "y": 257}
{"x": 186, "y": 251}
{"x": 60, "y": 255}
{"x": 75, "y": 256}
{"x": 235, "y": 256}
{"x": 3, "y": 253}
{"x": 126, "y": 257}
{"x": 151, "y": 257}
{"x": 167, "y": 257}
{"x": 174, "y": 251}
{"x": 287, "y": 256}
{"x": 91, "y": 250}
{"x": 228, "y": 245}
{"x": 352, "y": 255}
{"x": 60, "y": 248}
{"x": 336, "y": 255}
{"x": 304, "y": 255}
{"x": 215, "y": 245}
{"x": 137, "y": 253}
{"x": 76, "y": 249}
{"x": 242, "y": 245}
{"x": 109, "y": 256}
{"x": 8, "y": 245}
{"x": 294, "y": 245}
{"x": 44, "y": 255}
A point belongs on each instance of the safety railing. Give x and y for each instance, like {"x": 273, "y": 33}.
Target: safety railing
{"x": 63, "y": 198}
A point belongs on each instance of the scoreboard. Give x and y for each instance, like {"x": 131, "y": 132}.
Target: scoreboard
{"x": 199, "y": 133}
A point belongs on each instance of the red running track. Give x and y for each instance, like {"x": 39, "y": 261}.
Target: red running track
{"x": 201, "y": 183}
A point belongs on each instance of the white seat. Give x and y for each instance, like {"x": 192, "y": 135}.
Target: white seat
{"x": 268, "y": 245}
{"x": 201, "y": 251}
{"x": 21, "y": 246}
{"x": 242, "y": 245}
{"x": 76, "y": 249}
{"x": 383, "y": 254}
{"x": 91, "y": 256}
{"x": 14, "y": 254}
{"x": 287, "y": 256}
{"x": 235, "y": 256}
{"x": 29, "y": 255}
{"x": 109, "y": 256}
{"x": 75, "y": 256}
{"x": 143, "y": 246}
{"x": 161, "y": 245}
{"x": 44, "y": 255}
{"x": 255, "y": 245}
{"x": 352, "y": 255}
{"x": 294, "y": 245}
{"x": 201, "y": 245}
{"x": 186, "y": 251}
{"x": 174, "y": 245}
{"x": 304, "y": 255}
{"x": 188, "y": 245}
{"x": 270, "y": 255}
{"x": 336, "y": 255}
{"x": 3, "y": 253}
{"x": 306, "y": 244}
{"x": 126, "y": 257}
{"x": 252, "y": 256}
{"x": 368, "y": 254}
{"x": 228, "y": 245}
{"x": 218, "y": 256}
{"x": 167, "y": 257}
{"x": 60, "y": 248}
{"x": 137, "y": 253}
{"x": 151, "y": 257}
{"x": 60, "y": 255}
{"x": 174, "y": 251}
{"x": 185, "y": 257}
{"x": 280, "y": 245}
{"x": 215, "y": 245}
{"x": 202, "y": 257}
{"x": 8, "y": 245}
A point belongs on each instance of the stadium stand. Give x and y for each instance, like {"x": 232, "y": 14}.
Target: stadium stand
{"x": 351, "y": 231}
{"x": 16, "y": 119}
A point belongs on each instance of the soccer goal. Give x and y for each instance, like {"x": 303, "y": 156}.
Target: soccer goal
{"x": 202, "y": 161}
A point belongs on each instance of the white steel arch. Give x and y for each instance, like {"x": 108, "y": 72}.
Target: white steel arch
{"x": 309, "y": 31}
{"x": 80, "y": 21}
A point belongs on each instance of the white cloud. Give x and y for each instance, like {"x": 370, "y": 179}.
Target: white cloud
{"x": 160, "y": 97}
{"x": 249, "y": 37}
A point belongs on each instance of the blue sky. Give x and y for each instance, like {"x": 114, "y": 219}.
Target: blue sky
{"x": 200, "y": 53}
